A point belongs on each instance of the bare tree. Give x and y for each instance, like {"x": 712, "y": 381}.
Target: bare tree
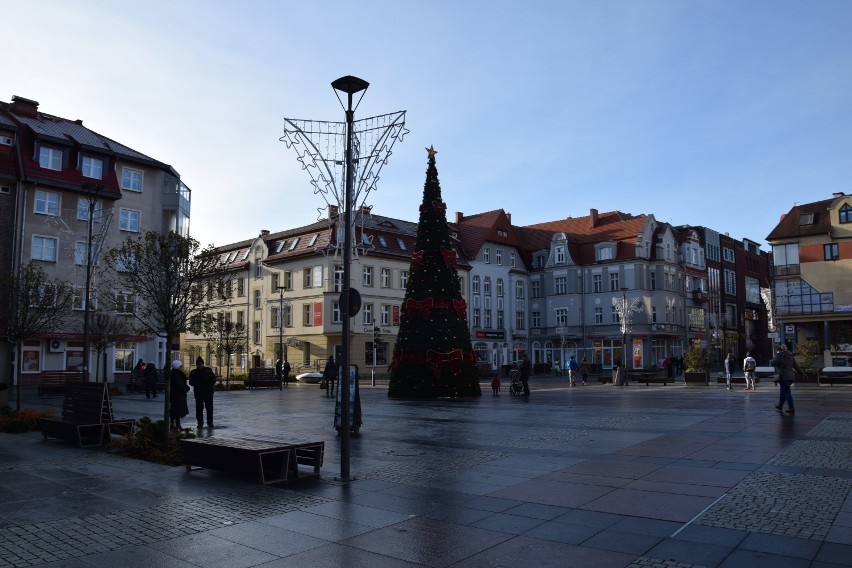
{"x": 106, "y": 329}
{"x": 164, "y": 272}
{"x": 32, "y": 303}
{"x": 228, "y": 336}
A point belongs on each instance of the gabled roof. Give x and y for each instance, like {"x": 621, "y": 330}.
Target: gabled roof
{"x": 790, "y": 225}
{"x": 475, "y": 230}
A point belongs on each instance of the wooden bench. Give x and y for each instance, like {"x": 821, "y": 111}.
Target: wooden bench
{"x": 832, "y": 375}
{"x": 53, "y": 382}
{"x": 86, "y": 418}
{"x": 137, "y": 382}
{"x": 262, "y": 377}
{"x": 263, "y": 460}
{"x": 648, "y": 377}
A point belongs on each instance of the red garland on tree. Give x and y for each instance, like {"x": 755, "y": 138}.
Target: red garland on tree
{"x": 433, "y": 356}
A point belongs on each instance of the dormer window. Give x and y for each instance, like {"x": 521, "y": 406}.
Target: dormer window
{"x": 605, "y": 253}
{"x": 92, "y": 167}
{"x": 314, "y": 238}
{"x": 280, "y": 246}
{"x": 294, "y": 244}
{"x": 846, "y": 214}
{"x": 50, "y": 158}
{"x": 382, "y": 241}
{"x": 806, "y": 218}
{"x": 401, "y": 244}
{"x": 560, "y": 255}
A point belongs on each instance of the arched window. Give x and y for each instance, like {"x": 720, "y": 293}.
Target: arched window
{"x": 846, "y": 213}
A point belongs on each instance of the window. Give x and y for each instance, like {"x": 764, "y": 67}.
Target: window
{"x": 614, "y": 315}
{"x": 560, "y": 285}
{"x": 728, "y": 254}
{"x": 403, "y": 279}
{"x": 44, "y": 248}
{"x": 128, "y": 220}
{"x": 613, "y": 282}
{"x": 367, "y": 310}
{"x": 92, "y": 167}
{"x": 535, "y": 289}
{"x": 499, "y": 319}
{"x": 256, "y": 332}
{"x": 50, "y": 158}
{"x": 476, "y": 317}
{"x": 313, "y": 240}
{"x": 124, "y": 356}
{"x": 385, "y": 278}
{"x": 307, "y": 278}
{"x": 274, "y": 284}
{"x": 598, "y": 315}
{"x": 401, "y": 244}
{"x": 730, "y": 282}
{"x": 513, "y": 258}
{"x": 78, "y": 300}
{"x": 338, "y": 278}
{"x": 597, "y": 283}
{"x": 46, "y": 203}
{"x": 317, "y": 276}
{"x": 499, "y": 257}
{"x": 520, "y": 320}
{"x": 786, "y": 254}
{"x": 653, "y": 314}
{"x": 486, "y": 255}
{"x": 487, "y": 322}
{"x": 273, "y": 317}
{"x": 539, "y": 261}
{"x": 560, "y": 255}
{"x": 486, "y": 286}
{"x": 499, "y": 287}
{"x": 257, "y": 299}
{"x": 653, "y": 282}
{"x": 561, "y": 317}
{"x": 125, "y": 303}
{"x": 605, "y": 253}
{"x": 385, "y": 314}
{"x": 846, "y": 214}
{"x": 519, "y": 290}
{"x": 83, "y": 210}
{"x": 475, "y": 284}
{"x": 367, "y": 276}
{"x": 806, "y": 218}
{"x": 241, "y": 318}
{"x": 81, "y": 254}
{"x": 831, "y": 251}
{"x": 382, "y": 241}
{"x": 336, "y": 316}
{"x": 536, "y": 319}
{"x": 294, "y": 244}
{"x": 131, "y": 180}
{"x": 307, "y": 315}
{"x": 258, "y": 267}
{"x": 241, "y": 288}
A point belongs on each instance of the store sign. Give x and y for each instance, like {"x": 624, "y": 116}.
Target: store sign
{"x": 843, "y": 308}
{"x": 491, "y": 335}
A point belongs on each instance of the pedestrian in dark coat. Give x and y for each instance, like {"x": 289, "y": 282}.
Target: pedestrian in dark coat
{"x": 329, "y": 375}
{"x": 203, "y": 381}
{"x": 178, "y": 408}
{"x": 787, "y": 368}
{"x": 285, "y": 372}
{"x": 525, "y": 370}
{"x": 150, "y": 378}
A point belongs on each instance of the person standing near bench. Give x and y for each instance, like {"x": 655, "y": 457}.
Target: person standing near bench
{"x": 203, "y": 381}
{"x": 329, "y": 375}
{"x": 178, "y": 408}
{"x": 150, "y": 378}
{"x": 285, "y": 372}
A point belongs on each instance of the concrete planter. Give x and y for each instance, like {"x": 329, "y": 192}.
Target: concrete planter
{"x": 696, "y": 377}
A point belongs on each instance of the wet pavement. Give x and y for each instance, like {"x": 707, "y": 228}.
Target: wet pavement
{"x": 586, "y": 476}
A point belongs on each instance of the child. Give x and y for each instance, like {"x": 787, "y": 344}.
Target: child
{"x": 495, "y": 385}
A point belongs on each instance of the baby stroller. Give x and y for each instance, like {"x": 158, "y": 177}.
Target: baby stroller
{"x": 515, "y": 384}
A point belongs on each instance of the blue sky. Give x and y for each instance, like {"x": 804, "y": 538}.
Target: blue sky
{"x": 718, "y": 113}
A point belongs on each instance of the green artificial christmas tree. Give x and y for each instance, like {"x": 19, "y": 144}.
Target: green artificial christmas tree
{"x": 433, "y": 356}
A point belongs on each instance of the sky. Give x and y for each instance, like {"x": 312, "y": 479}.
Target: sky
{"x": 718, "y": 113}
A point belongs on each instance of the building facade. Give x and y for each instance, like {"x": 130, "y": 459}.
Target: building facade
{"x": 61, "y": 182}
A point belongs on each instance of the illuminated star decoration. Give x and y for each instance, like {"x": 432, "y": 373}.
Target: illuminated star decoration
{"x": 432, "y": 151}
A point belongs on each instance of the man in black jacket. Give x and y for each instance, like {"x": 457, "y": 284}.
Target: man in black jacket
{"x": 203, "y": 381}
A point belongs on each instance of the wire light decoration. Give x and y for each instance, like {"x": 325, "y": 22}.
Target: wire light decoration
{"x": 625, "y": 309}
{"x": 769, "y": 302}
{"x": 320, "y": 147}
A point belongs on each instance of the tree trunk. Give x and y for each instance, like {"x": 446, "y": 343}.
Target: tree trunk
{"x": 167, "y": 394}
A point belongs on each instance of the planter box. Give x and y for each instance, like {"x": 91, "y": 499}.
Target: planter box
{"x": 696, "y": 377}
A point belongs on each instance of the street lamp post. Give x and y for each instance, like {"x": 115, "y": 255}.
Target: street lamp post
{"x": 281, "y": 328}
{"x": 93, "y": 191}
{"x": 348, "y": 85}
{"x": 624, "y": 329}
{"x": 624, "y": 309}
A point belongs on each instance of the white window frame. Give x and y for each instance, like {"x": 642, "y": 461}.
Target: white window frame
{"x": 81, "y": 253}
{"x": 367, "y": 310}
{"x": 50, "y": 158}
{"x": 83, "y": 210}
{"x": 92, "y": 167}
{"x": 403, "y": 279}
{"x": 499, "y": 254}
{"x": 125, "y": 220}
{"x": 367, "y": 278}
{"x": 42, "y": 240}
{"x": 125, "y": 302}
{"x": 385, "y": 278}
{"x": 46, "y": 203}
{"x": 130, "y": 181}
{"x": 486, "y": 255}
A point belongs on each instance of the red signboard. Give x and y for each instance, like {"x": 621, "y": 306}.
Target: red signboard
{"x": 318, "y": 313}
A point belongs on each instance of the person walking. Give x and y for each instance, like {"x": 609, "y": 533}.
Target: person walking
{"x": 285, "y": 372}
{"x": 585, "y": 370}
{"x": 729, "y": 369}
{"x": 573, "y": 367}
{"x": 525, "y": 370}
{"x": 177, "y": 399}
{"x": 749, "y": 365}
{"x": 203, "y": 381}
{"x": 668, "y": 365}
{"x": 150, "y": 378}
{"x": 787, "y": 368}
{"x": 329, "y": 375}
{"x": 495, "y": 385}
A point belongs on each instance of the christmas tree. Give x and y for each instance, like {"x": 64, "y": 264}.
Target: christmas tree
{"x": 433, "y": 356}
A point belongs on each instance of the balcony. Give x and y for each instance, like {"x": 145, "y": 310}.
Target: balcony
{"x": 700, "y": 296}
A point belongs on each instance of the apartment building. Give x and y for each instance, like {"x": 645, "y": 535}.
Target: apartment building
{"x": 58, "y": 180}
{"x": 812, "y": 279}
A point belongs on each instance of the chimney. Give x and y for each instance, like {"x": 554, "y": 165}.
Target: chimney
{"x": 509, "y": 217}
{"x": 264, "y": 232}
{"x": 459, "y": 216}
{"x": 838, "y": 194}
{"x": 593, "y": 218}
{"x": 332, "y": 212}
{"x": 79, "y": 122}
{"x": 24, "y": 107}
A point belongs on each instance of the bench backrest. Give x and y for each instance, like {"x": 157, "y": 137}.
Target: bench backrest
{"x": 87, "y": 403}
{"x": 261, "y": 373}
